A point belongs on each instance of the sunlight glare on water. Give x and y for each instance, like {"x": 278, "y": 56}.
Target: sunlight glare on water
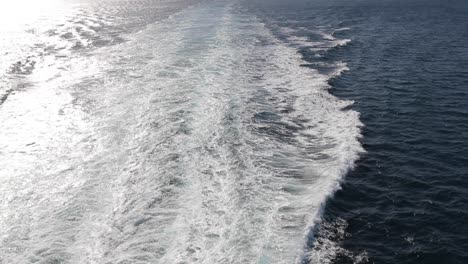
{"x": 14, "y": 13}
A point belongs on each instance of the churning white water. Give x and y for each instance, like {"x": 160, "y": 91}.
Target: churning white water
{"x": 200, "y": 139}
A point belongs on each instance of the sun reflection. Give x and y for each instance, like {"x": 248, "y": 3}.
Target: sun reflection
{"x": 14, "y": 13}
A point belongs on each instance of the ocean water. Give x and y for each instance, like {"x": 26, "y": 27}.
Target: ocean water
{"x": 406, "y": 200}
{"x": 241, "y": 131}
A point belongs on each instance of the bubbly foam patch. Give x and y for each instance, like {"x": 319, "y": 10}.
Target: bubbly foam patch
{"x": 200, "y": 140}
{"x": 326, "y": 248}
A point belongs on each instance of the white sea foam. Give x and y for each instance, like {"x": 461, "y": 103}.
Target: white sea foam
{"x": 326, "y": 248}
{"x": 326, "y": 44}
{"x": 200, "y": 140}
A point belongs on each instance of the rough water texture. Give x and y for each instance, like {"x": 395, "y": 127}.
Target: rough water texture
{"x": 160, "y": 131}
{"x": 196, "y": 138}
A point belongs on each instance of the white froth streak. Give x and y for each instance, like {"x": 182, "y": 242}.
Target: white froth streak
{"x": 165, "y": 161}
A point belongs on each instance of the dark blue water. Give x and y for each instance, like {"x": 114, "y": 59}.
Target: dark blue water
{"x": 406, "y": 201}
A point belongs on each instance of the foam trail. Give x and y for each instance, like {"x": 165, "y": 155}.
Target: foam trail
{"x": 200, "y": 140}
